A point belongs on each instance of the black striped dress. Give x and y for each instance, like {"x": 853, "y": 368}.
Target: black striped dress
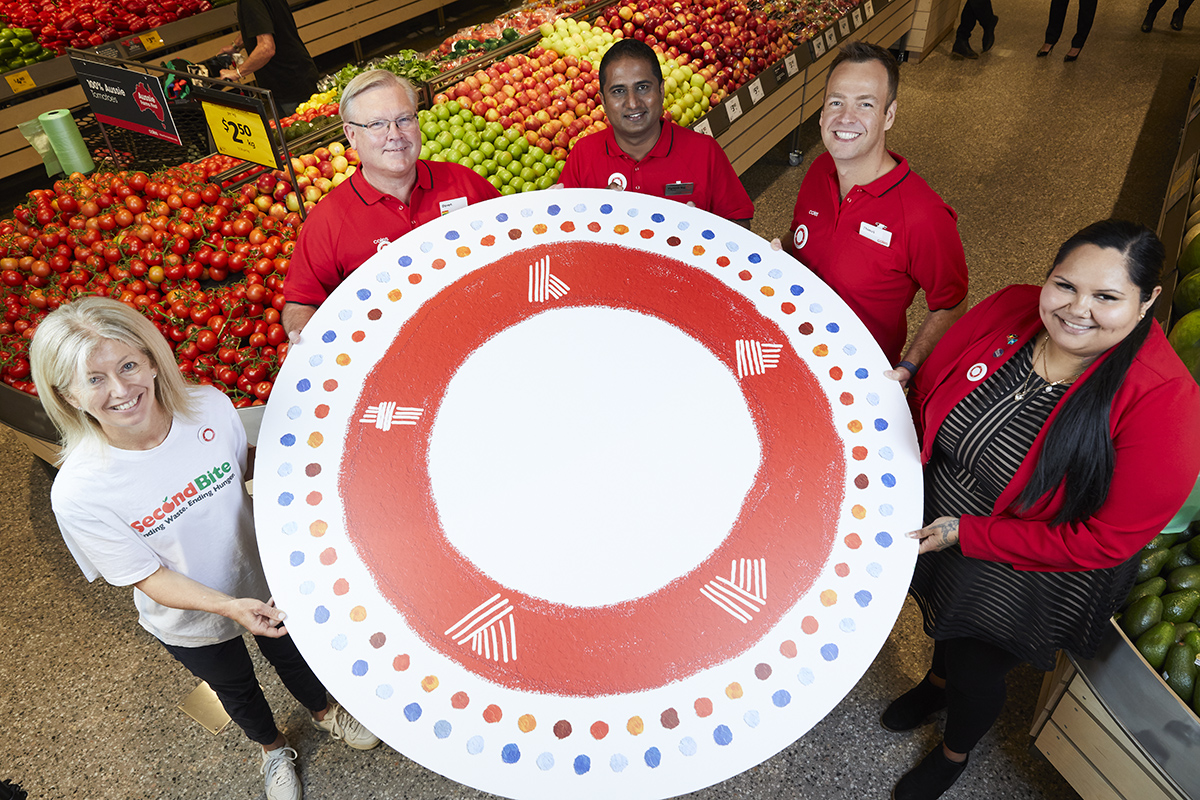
{"x": 978, "y": 449}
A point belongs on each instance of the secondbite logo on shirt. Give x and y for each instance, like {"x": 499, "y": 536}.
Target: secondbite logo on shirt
{"x": 196, "y": 490}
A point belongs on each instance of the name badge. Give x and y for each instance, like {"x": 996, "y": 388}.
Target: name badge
{"x": 446, "y": 206}
{"x": 679, "y": 187}
{"x": 876, "y": 233}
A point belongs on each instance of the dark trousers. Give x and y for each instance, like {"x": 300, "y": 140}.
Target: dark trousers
{"x": 1156, "y": 6}
{"x": 974, "y": 672}
{"x": 227, "y": 669}
{"x": 975, "y": 11}
{"x": 1058, "y": 16}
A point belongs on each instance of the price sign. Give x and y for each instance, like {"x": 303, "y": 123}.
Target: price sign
{"x": 792, "y": 64}
{"x": 703, "y": 126}
{"x": 756, "y": 92}
{"x": 844, "y": 26}
{"x": 239, "y": 133}
{"x": 733, "y": 107}
{"x": 20, "y": 81}
{"x": 831, "y": 38}
{"x": 870, "y": 7}
{"x": 818, "y": 46}
{"x": 151, "y": 40}
{"x": 858, "y": 17}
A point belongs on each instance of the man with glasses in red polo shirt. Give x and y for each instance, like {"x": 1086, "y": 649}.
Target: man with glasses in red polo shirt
{"x": 392, "y": 192}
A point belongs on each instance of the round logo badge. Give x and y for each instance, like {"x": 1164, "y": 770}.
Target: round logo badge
{"x": 977, "y": 371}
{"x": 206, "y": 434}
{"x": 800, "y": 237}
{"x": 617, "y": 181}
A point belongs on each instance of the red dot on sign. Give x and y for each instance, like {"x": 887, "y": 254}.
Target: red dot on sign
{"x": 414, "y": 278}
{"x": 329, "y": 385}
{"x": 861, "y": 481}
{"x": 674, "y": 241}
{"x": 567, "y": 227}
{"x": 788, "y": 649}
{"x": 514, "y": 234}
{"x": 762, "y": 671}
{"x": 321, "y": 411}
{"x": 722, "y": 261}
{"x": 809, "y": 625}
{"x": 438, "y": 263}
{"x": 599, "y": 730}
{"x": 842, "y": 570}
{"x": 859, "y": 453}
{"x": 669, "y": 719}
{"x": 745, "y": 275}
{"x": 374, "y": 314}
{"x": 703, "y": 707}
{"x": 647, "y": 234}
{"x": 788, "y": 308}
{"x": 847, "y": 398}
{"x": 341, "y": 586}
{"x": 378, "y": 639}
{"x": 358, "y": 336}
{"x": 312, "y": 470}
{"x": 328, "y": 556}
{"x": 835, "y": 373}
{"x": 806, "y": 328}
{"x": 594, "y": 227}
{"x": 492, "y": 713}
{"x": 400, "y": 662}
{"x": 314, "y": 498}
{"x": 562, "y": 729}
{"x": 853, "y": 541}
{"x": 460, "y": 700}
{"x": 488, "y": 240}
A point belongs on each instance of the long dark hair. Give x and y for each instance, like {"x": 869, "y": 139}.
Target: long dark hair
{"x": 1078, "y": 447}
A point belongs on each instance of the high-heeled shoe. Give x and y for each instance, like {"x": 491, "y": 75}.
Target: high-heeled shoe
{"x": 1148, "y": 22}
{"x": 1045, "y": 51}
{"x": 1069, "y": 57}
{"x": 1177, "y": 20}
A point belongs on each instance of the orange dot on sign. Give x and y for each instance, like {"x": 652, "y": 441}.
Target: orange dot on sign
{"x": 400, "y": 662}
{"x": 821, "y": 350}
{"x": 599, "y": 729}
{"x": 594, "y": 227}
{"x": 835, "y": 373}
{"x": 767, "y": 291}
{"x": 438, "y": 263}
{"x": 321, "y": 411}
{"x": 647, "y": 234}
{"x": 842, "y": 570}
{"x": 858, "y": 512}
{"x": 330, "y": 385}
{"x": 703, "y": 707}
{"x": 853, "y": 541}
{"x": 315, "y": 439}
{"x": 463, "y": 252}
{"x": 394, "y": 295}
{"x": 488, "y": 240}
{"x": 787, "y": 649}
{"x": 358, "y": 336}
{"x": 733, "y": 691}
{"x": 697, "y": 250}
{"x": 621, "y": 229}
{"x": 342, "y": 359}
{"x": 429, "y": 683}
{"x": 358, "y": 614}
{"x": 526, "y": 723}
{"x": 318, "y": 528}
{"x": 328, "y": 556}
{"x": 859, "y": 453}
{"x": 341, "y": 586}
{"x": 567, "y": 227}
{"x": 414, "y": 278}
{"x": 809, "y": 625}
{"x": 788, "y": 308}
{"x": 539, "y": 228}
{"x": 314, "y": 498}
{"x": 855, "y": 426}
{"x": 847, "y": 398}
{"x": 635, "y": 725}
{"x": 460, "y": 700}
{"x": 828, "y": 597}
{"x": 492, "y": 713}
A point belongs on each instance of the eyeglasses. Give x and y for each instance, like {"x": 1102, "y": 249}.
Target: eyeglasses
{"x": 379, "y": 127}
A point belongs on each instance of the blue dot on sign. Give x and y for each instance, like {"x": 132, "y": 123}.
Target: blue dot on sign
{"x": 888, "y": 479}
{"x": 359, "y": 668}
{"x": 751, "y": 718}
{"x": 881, "y": 425}
{"x": 606, "y": 209}
{"x": 501, "y": 217}
{"x": 553, "y": 210}
{"x": 285, "y": 469}
{"x": 345, "y": 314}
{"x": 303, "y": 385}
{"x": 722, "y": 735}
{"x": 805, "y": 676}
{"x": 683, "y": 225}
{"x": 365, "y": 294}
{"x": 404, "y": 261}
{"x": 618, "y": 763}
{"x": 816, "y": 308}
{"x": 287, "y": 440}
{"x": 339, "y": 642}
{"x": 308, "y": 587}
{"x": 872, "y": 398}
{"x": 861, "y": 373}
{"x": 849, "y": 349}
{"x": 754, "y": 258}
{"x": 289, "y": 528}
{"x": 883, "y": 539}
{"x": 583, "y": 765}
{"x": 526, "y": 212}
{"x": 545, "y": 762}
{"x": 797, "y": 290}
{"x": 316, "y": 360}
{"x": 384, "y": 277}
{"x": 475, "y": 743}
{"x": 885, "y": 453}
{"x": 707, "y": 234}
{"x": 863, "y": 598}
{"x": 442, "y": 729}
{"x": 687, "y": 746}
{"x": 653, "y": 757}
{"x": 510, "y": 753}
{"x": 731, "y": 247}
{"x": 633, "y": 212}
{"x": 426, "y": 247}
{"x": 321, "y": 615}
{"x": 847, "y": 625}
{"x": 657, "y": 217}
{"x": 286, "y": 498}
{"x": 829, "y": 652}
{"x": 328, "y": 336}
{"x": 296, "y": 558}
{"x": 885, "y": 510}
{"x": 294, "y": 412}
{"x": 874, "y": 569}
{"x": 412, "y": 712}
{"x": 781, "y": 698}
{"x": 579, "y": 208}
{"x": 384, "y": 691}
{"x": 451, "y": 235}
{"x": 776, "y": 273}
{"x": 832, "y": 327}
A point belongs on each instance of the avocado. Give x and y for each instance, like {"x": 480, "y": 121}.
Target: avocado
{"x": 1192, "y": 640}
{"x": 1142, "y": 616}
{"x": 1154, "y": 643}
{"x": 1179, "y": 670}
{"x": 1184, "y": 577}
{"x": 1193, "y": 547}
{"x": 1151, "y": 588}
{"x": 1179, "y": 557}
{"x": 1182, "y": 629}
{"x": 1163, "y": 541}
{"x": 1151, "y": 563}
{"x": 1180, "y": 606}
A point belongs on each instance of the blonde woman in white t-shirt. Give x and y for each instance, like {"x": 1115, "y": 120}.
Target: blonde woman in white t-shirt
{"x": 151, "y": 494}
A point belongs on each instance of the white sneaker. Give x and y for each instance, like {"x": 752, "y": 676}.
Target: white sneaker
{"x": 279, "y": 768}
{"x": 339, "y": 724}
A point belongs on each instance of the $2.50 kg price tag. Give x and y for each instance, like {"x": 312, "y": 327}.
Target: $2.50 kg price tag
{"x": 239, "y": 133}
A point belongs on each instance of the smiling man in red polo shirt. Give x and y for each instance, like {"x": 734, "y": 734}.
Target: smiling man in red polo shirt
{"x": 642, "y": 153}
{"x": 868, "y": 225}
{"x": 391, "y": 193}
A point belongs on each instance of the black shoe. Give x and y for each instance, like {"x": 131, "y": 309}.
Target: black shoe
{"x": 914, "y": 708}
{"x": 963, "y": 48}
{"x": 989, "y": 34}
{"x": 1045, "y": 51}
{"x": 1069, "y": 57}
{"x": 930, "y": 779}
{"x": 1177, "y": 20}
{"x": 1148, "y": 22}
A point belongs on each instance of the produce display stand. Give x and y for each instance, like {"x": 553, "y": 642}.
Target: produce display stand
{"x": 1181, "y": 193}
{"x": 932, "y": 22}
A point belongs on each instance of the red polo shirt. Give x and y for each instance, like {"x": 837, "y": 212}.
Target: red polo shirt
{"x": 356, "y": 220}
{"x": 878, "y": 246}
{"x": 683, "y": 165}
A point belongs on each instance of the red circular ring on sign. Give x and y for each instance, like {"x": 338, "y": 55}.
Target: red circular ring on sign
{"x": 789, "y": 516}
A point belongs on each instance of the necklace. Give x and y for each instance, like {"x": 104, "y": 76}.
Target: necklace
{"x": 1029, "y": 383}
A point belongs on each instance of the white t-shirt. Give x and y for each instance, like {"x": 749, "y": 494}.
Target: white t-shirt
{"x": 182, "y": 505}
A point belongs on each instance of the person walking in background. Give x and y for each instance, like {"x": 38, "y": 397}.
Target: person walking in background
{"x": 276, "y": 53}
{"x": 1083, "y": 26}
{"x": 975, "y": 11}
{"x": 1176, "y": 18}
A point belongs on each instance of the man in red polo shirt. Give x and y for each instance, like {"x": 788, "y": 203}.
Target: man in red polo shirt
{"x": 639, "y": 152}
{"x": 391, "y": 193}
{"x": 868, "y": 225}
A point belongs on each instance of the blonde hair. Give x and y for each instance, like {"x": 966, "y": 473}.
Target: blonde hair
{"x": 64, "y": 342}
{"x": 371, "y": 79}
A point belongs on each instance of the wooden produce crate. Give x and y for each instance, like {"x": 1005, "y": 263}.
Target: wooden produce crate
{"x": 933, "y": 21}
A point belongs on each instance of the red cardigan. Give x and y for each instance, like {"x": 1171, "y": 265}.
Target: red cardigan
{"x": 1155, "y": 424}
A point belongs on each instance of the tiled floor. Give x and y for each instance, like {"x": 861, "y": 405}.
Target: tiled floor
{"x": 1027, "y": 150}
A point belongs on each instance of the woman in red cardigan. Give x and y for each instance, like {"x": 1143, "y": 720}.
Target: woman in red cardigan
{"x": 1059, "y": 434}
